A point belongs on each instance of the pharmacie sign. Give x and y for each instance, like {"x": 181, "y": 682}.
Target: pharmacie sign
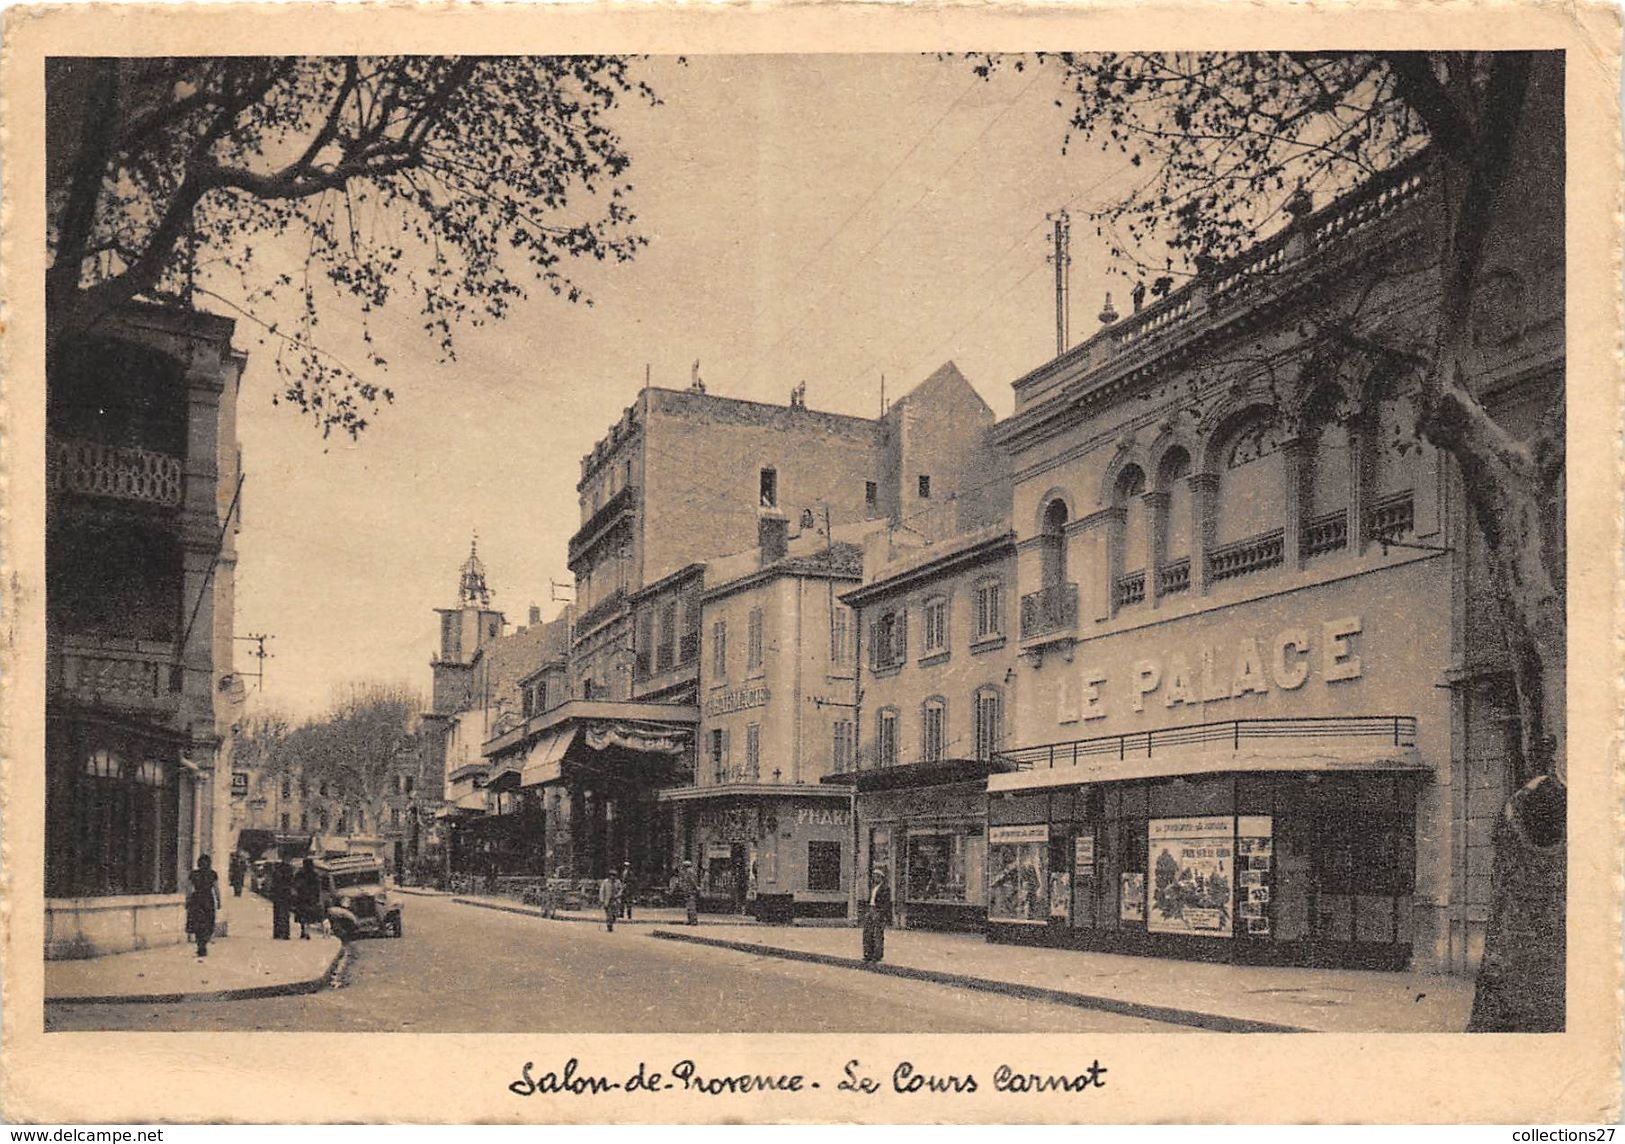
{"x": 1185, "y": 676}
{"x": 742, "y": 700}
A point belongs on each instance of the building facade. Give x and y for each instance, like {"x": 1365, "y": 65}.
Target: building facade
{"x": 937, "y": 680}
{"x": 142, "y": 504}
{"x": 1257, "y": 715}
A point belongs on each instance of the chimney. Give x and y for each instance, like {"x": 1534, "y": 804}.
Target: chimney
{"x": 535, "y": 615}
{"x": 772, "y": 535}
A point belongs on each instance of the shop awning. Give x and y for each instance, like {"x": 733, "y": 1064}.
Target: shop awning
{"x": 904, "y": 775}
{"x": 544, "y": 761}
{"x": 1321, "y": 761}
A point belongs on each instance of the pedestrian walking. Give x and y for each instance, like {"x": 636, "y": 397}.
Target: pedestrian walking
{"x": 689, "y": 886}
{"x": 237, "y": 871}
{"x": 201, "y": 903}
{"x": 876, "y": 916}
{"x": 609, "y": 896}
{"x": 281, "y": 900}
{"x": 626, "y": 890}
{"x": 307, "y": 899}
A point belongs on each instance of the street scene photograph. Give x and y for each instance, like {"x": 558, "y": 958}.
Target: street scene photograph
{"x": 950, "y": 542}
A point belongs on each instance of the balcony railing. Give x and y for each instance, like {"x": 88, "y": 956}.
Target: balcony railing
{"x": 598, "y": 524}
{"x": 1389, "y": 730}
{"x": 1326, "y": 533}
{"x": 600, "y": 611}
{"x": 93, "y": 469}
{"x": 1391, "y": 517}
{"x": 1255, "y": 554}
{"x": 146, "y": 680}
{"x": 1049, "y": 611}
{"x": 1129, "y": 589}
{"x": 1174, "y": 578}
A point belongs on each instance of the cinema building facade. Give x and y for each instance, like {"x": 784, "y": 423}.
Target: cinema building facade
{"x": 1258, "y": 714}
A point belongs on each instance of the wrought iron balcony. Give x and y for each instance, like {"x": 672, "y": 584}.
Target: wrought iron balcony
{"x": 1129, "y": 589}
{"x": 1255, "y": 554}
{"x": 1388, "y": 730}
{"x": 146, "y": 680}
{"x": 1174, "y": 578}
{"x": 1325, "y": 533}
{"x": 91, "y": 468}
{"x": 1391, "y": 517}
{"x": 1049, "y": 611}
{"x": 598, "y": 525}
{"x": 600, "y": 611}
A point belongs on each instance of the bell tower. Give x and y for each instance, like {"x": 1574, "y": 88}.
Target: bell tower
{"x": 464, "y": 631}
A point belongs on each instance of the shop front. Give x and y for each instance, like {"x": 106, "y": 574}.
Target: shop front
{"x": 1295, "y": 863}
{"x": 769, "y": 850}
{"x": 925, "y": 824}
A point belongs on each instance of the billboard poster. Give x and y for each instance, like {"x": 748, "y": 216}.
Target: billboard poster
{"x": 1060, "y": 895}
{"x": 1254, "y": 849}
{"x": 1131, "y": 906}
{"x": 1192, "y": 876}
{"x": 1083, "y": 855}
{"x": 1017, "y": 880}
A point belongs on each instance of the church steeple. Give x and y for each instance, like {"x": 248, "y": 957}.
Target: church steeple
{"x": 472, "y": 591}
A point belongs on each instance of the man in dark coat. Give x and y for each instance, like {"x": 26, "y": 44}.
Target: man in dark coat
{"x": 237, "y": 870}
{"x": 307, "y": 898}
{"x": 281, "y": 900}
{"x": 876, "y": 915}
{"x": 689, "y": 887}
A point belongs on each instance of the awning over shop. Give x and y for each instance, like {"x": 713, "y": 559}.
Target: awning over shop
{"x": 633, "y": 737}
{"x": 1404, "y": 759}
{"x": 738, "y": 790}
{"x": 544, "y": 761}
{"x": 939, "y": 773}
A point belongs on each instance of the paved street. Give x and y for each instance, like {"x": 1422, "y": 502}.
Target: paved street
{"x": 462, "y": 970}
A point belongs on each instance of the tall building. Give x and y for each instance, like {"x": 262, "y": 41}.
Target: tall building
{"x": 142, "y": 507}
{"x": 1261, "y": 709}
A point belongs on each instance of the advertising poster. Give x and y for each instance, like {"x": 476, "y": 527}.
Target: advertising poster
{"x": 1083, "y": 855}
{"x": 1017, "y": 883}
{"x": 1192, "y": 876}
{"x": 1060, "y": 895}
{"x": 1254, "y": 852}
{"x": 1131, "y": 905}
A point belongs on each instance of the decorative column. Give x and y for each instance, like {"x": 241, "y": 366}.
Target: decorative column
{"x": 1296, "y": 465}
{"x": 1204, "y": 525}
{"x": 1361, "y": 433}
{"x": 1156, "y": 547}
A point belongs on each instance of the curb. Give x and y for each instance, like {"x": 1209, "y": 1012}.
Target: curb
{"x": 251, "y": 993}
{"x": 1213, "y": 1022}
{"x": 534, "y": 912}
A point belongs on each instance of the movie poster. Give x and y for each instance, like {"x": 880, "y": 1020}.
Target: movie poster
{"x": 1192, "y": 876}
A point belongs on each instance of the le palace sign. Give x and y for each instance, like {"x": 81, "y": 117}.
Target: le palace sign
{"x": 1250, "y": 665}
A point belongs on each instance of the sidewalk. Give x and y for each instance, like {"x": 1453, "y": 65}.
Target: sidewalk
{"x": 246, "y": 964}
{"x": 1231, "y": 998}
{"x": 641, "y": 915}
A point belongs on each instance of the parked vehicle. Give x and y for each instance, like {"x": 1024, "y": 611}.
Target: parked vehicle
{"x": 354, "y": 899}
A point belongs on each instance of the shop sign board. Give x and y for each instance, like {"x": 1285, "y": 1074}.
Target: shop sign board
{"x": 823, "y": 816}
{"x": 1083, "y": 855}
{"x": 737, "y": 823}
{"x": 1192, "y": 876}
{"x": 742, "y": 700}
{"x": 718, "y": 850}
{"x": 1131, "y": 905}
{"x": 239, "y": 782}
{"x": 1009, "y": 835}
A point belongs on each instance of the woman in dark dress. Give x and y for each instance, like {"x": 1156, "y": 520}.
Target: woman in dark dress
{"x": 307, "y": 898}
{"x": 281, "y": 900}
{"x": 201, "y": 904}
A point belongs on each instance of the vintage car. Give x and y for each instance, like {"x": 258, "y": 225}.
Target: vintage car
{"x": 354, "y": 898}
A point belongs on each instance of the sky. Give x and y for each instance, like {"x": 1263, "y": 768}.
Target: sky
{"x": 817, "y": 219}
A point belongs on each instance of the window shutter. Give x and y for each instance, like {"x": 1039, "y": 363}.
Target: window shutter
{"x": 901, "y": 637}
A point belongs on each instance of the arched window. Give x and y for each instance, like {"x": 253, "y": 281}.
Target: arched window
{"x": 933, "y": 730}
{"x": 1329, "y": 469}
{"x": 1249, "y": 530}
{"x": 1128, "y": 496}
{"x": 1173, "y": 546}
{"x": 1054, "y": 537}
{"x": 989, "y": 703}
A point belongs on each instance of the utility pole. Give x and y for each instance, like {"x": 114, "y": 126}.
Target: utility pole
{"x": 259, "y": 653}
{"x": 1061, "y": 256}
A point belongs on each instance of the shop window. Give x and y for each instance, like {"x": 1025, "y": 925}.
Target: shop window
{"x": 934, "y": 729}
{"x": 989, "y": 609}
{"x": 937, "y": 867}
{"x": 753, "y": 641}
{"x": 719, "y": 650}
{"x": 823, "y": 865}
{"x": 1018, "y": 874}
{"x": 989, "y": 722}
{"x": 936, "y": 625}
{"x": 886, "y": 738}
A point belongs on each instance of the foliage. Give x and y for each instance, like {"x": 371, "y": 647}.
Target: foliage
{"x": 308, "y": 178}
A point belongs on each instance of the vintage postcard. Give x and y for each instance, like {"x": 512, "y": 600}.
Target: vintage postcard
{"x": 811, "y": 564}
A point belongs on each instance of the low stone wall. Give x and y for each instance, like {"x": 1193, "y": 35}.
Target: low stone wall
{"x": 91, "y": 927}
